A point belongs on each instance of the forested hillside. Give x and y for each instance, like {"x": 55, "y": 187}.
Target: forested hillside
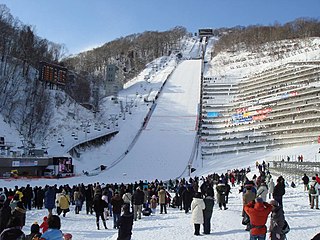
{"x": 28, "y": 105}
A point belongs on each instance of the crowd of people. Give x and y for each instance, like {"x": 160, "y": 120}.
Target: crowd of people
{"x": 126, "y": 203}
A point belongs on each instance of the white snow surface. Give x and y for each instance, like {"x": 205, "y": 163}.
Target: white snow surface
{"x": 162, "y": 150}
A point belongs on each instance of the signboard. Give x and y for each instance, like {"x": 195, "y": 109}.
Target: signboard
{"x": 24, "y": 163}
{"x": 213, "y": 114}
{"x": 53, "y": 73}
{"x": 64, "y": 164}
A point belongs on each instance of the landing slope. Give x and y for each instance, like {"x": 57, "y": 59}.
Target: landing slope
{"x": 164, "y": 146}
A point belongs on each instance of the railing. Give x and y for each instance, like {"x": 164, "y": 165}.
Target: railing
{"x": 294, "y": 170}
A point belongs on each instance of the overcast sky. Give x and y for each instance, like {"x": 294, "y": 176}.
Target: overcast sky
{"x": 84, "y": 24}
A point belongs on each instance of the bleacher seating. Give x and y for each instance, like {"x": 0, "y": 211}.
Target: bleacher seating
{"x": 272, "y": 109}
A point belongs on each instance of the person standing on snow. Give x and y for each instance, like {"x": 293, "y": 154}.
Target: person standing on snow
{"x": 63, "y": 203}
{"x": 49, "y": 199}
{"x": 137, "y": 202}
{"x": 127, "y": 197}
{"x": 277, "y": 221}
{"x": 98, "y": 207}
{"x": 221, "y": 194}
{"x": 89, "y": 198}
{"x": 258, "y": 212}
{"x": 262, "y": 191}
{"x": 271, "y": 187}
{"x": 125, "y": 224}
{"x": 116, "y": 202}
{"x": 187, "y": 196}
{"x": 153, "y": 204}
{"x": 207, "y": 212}
{"x": 248, "y": 196}
{"x": 305, "y": 180}
{"x": 314, "y": 193}
{"x": 279, "y": 190}
{"x": 162, "y": 200}
{"x": 197, "y": 207}
{"x": 77, "y": 200}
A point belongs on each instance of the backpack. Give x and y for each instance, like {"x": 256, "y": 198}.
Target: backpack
{"x": 286, "y": 228}
{"x": 312, "y": 189}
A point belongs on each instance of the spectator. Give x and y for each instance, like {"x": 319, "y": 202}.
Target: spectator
{"x": 49, "y": 199}
{"x": 262, "y": 191}
{"x": 197, "y": 207}
{"x": 317, "y": 178}
{"x": 279, "y": 190}
{"x": 116, "y": 202}
{"x": 207, "y": 212}
{"x": 98, "y": 206}
{"x": 153, "y": 203}
{"x": 13, "y": 230}
{"x": 137, "y": 202}
{"x": 44, "y": 225}
{"x": 277, "y": 221}
{"x": 314, "y": 193}
{"x": 20, "y": 212}
{"x": 221, "y": 194}
{"x": 162, "y": 200}
{"x": 89, "y": 198}
{"x": 187, "y": 196}
{"x": 125, "y": 224}
{"x": 305, "y": 180}
{"x": 77, "y": 196}
{"x": 54, "y": 232}
{"x": 258, "y": 212}
{"x": 127, "y": 197}
{"x": 63, "y": 203}
{"x": 5, "y": 214}
{"x": 271, "y": 187}
{"x": 248, "y": 196}
{"x": 35, "y": 232}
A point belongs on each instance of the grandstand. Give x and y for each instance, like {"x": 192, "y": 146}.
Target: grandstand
{"x": 272, "y": 109}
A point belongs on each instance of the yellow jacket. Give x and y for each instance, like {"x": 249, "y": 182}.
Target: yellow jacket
{"x": 63, "y": 201}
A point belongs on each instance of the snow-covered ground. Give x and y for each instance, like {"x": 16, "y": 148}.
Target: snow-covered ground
{"x": 226, "y": 224}
{"x": 162, "y": 150}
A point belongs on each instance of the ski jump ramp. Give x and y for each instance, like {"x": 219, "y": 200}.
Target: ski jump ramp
{"x": 164, "y": 146}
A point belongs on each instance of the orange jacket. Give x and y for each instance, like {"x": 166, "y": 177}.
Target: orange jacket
{"x": 258, "y": 213}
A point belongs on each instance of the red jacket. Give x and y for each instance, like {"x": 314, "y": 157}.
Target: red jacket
{"x": 258, "y": 213}
{"x": 44, "y": 225}
{"x": 318, "y": 179}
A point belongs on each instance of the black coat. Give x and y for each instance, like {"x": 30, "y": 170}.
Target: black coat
{"x": 116, "y": 202}
{"x": 98, "y": 204}
{"x": 21, "y": 214}
{"x": 209, "y": 203}
{"x": 221, "y": 192}
{"x": 187, "y": 196}
{"x": 5, "y": 214}
{"x": 279, "y": 189}
{"x": 305, "y": 179}
{"x": 138, "y": 198}
{"x": 125, "y": 226}
{"x": 88, "y": 194}
{"x": 12, "y": 233}
{"x": 277, "y": 223}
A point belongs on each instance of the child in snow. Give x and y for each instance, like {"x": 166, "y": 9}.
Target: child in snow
{"x": 153, "y": 204}
{"x": 44, "y": 225}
